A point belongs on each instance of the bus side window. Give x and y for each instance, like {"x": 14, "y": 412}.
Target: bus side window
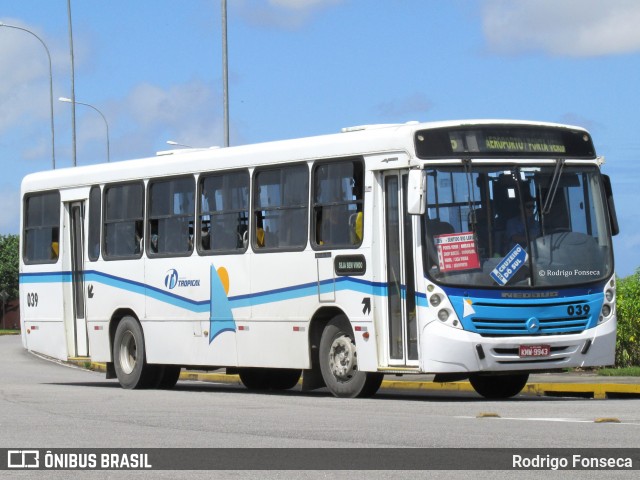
{"x": 123, "y": 227}
{"x": 41, "y": 228}
{"x": 171, "y": 216}
{"x": 95, "y": 205}
{"x": 280, "y": 207}
{"x": 338, "y": 218}
{"x": 224, "y": 212}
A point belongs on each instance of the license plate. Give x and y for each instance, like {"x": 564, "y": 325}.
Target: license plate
{"x": 535, "y": 350}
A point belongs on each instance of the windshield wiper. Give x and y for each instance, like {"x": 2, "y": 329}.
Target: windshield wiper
{"x": 553, "y": 187}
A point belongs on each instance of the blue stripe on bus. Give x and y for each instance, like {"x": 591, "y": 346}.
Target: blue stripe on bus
{"x": 200, "y": 306}
{"x": 45, "y": 277}
{"x": 148, "y": 290}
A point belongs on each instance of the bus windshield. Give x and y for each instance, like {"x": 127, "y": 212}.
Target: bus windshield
{"x": 516, "y": 226}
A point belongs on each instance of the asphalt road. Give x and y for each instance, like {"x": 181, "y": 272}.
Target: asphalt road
{"x": 50, "y": 405}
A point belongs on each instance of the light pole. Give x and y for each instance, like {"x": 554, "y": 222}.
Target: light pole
{"x": 73, "y": 88}
{"x": 53, "y": 141}
{"x": 68, "y": 100}
{"x": 225, "y": 74}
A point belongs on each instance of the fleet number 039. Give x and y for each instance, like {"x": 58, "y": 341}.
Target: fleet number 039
{"x": 578, "y": 309}
{"x": 32, "y": 299}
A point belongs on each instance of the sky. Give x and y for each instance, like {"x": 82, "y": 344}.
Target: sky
{"x": 300, "y": 68}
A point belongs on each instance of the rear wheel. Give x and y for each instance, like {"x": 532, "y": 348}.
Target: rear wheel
{"x": 170, "y": 376}
{"x": 269, "y": 378}
{"x": 339, "y": 362}
{"x": 129, "y": 361}
{"x": 498, "y": 387}
{"x": 254, "y": 378}
{"x": 283, "y": 379}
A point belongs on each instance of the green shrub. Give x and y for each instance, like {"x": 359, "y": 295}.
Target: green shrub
{"x": 9, "y": 265}
{"x": 628, "y": 307}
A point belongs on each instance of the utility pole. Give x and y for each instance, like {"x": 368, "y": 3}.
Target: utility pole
{"x": 225, "y": 74}
{"x": 73, "y": 89}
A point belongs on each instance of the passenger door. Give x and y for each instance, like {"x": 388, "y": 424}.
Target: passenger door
{"x": 402, "y": 330}
{"x": 75, "y": 317}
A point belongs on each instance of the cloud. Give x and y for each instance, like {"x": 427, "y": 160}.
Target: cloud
{"x": 287, "y": 14}
{"x": 187, "y": 113}
{"x": 574, "y": 28}
{"x": 24, "y": 83}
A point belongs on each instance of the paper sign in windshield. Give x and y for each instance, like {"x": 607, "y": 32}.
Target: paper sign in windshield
{"x": 456, "y": 251}
{"x": 509, "y": 265}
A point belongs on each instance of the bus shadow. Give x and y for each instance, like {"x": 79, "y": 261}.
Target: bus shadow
{"x": 382, "y": 396}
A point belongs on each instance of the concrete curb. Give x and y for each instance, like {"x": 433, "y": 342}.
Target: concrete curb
{"x": 550, "y": 389}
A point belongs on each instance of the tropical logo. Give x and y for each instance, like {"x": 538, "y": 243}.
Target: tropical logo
{"x": 173, "y": 280}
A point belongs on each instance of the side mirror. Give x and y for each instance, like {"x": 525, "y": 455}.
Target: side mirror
{"x": 416, "y": 192}
{"x": 613, "y": 218}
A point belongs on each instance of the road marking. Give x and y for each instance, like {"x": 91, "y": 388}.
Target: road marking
{"x": 558, "y": 420}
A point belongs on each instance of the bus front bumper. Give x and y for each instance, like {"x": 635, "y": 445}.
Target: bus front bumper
{"x": 449, "y": 350}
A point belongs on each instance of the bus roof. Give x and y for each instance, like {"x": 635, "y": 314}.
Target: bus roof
{"x": 359, "y": 140}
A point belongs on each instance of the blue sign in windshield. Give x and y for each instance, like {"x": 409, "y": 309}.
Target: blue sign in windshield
{"x": 509, "y": 265}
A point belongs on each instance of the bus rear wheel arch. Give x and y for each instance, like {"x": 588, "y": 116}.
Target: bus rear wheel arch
{"x": 498, "y": 387}
{"x": 338, "y": 358}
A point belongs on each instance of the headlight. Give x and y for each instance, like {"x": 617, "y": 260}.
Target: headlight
{"x": 435, "y": 300}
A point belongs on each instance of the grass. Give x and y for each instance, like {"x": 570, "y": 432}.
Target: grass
{"x": 9, "y": 332}
{"x": 620, "y": 372}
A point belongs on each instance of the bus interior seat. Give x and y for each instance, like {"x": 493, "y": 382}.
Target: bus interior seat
{"x": 355, "y": 227}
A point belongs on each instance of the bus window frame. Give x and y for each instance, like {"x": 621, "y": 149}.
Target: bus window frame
{"x": 254, "y": 208}
{"x": 90, "y": 220}
{"x": 200, "y": 214}
{"x": 148, "y": 218}
{"x": 23, "y": 253}
{"x": 103, "y": 235}
{"x": 313, "y": 224}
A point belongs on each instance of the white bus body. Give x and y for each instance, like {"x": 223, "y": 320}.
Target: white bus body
{"x": 278, "y": 297}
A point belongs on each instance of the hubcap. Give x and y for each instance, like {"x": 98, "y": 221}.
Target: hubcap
{"x": 342, "y": 358}
{"x": 128, "y": 352}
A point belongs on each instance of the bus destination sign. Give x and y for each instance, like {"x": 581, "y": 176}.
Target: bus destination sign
{"x": 493, "y": 141}
{"x": 497, "y": 143}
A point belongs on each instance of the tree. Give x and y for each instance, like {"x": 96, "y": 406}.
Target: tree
{"x": 9, "y": 265}
{"x": 628, "y": 307}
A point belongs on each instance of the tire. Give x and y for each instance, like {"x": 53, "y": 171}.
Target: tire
{"x": 254, "y": 378}
{"x": 129, "y": 360}
{"x": 498, "y": 387}
{"x": 269, "y": 378}
{"x": 170, "y": 376}
{"x": 283, "y": 379}
{"x": 339, "y": 362}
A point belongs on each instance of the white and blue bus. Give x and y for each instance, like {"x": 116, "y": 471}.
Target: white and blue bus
{"x": 475, "y": 249}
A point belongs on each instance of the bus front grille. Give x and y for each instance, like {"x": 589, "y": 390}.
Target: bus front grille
{"x": 494, "y": 327}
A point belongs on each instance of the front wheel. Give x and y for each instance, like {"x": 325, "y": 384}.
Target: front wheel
{"x": 339, "y": 362}
{"x": 499, "y": 387}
